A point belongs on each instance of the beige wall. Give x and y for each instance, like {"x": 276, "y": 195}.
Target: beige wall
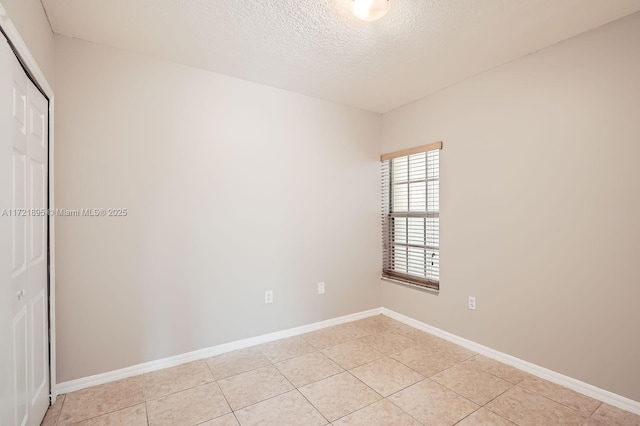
{"x": 232, "y": 188}
{"x": 30, "y": 20}
{"x": 540, "y": 199}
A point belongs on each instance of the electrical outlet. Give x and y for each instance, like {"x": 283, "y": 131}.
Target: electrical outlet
{"x": 268, "y": 296}
{"x": 321, "y": 288}
{"x": 472, "y": 303}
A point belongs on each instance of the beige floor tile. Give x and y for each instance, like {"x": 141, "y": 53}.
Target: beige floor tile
{"x": 582, "y": 403}
{"x": 308, "y": 368}
{"x": 55, "y": 408}
{"x": 613, "y": 416}
{"x": 321, "y": 339}
{"x": 49, "y": 420}
{"x": 504, "y": 371}
{"x": 132, "y": 416}
{"x": 281, "y": 350}
{"x": 289, "y": 409}
{"x": 381, "y": 413}
{"x": 377, "y": 324}
{"x": 352, "y": 354}
{"x": 386, "y": 376}
{"x": 425, "y": 360}
{"x": 95, "y": 401}
{"x": 175, "y": 379}
{"x": 453, "y": 350}
{"x": 433, "y": 404}
{"x": 236, "y": 362}
{"x": 472, "y": 383}
{"x": 332, "y": 336}
{"x": 389, "y": 321}
{"x": 254, "y": 386}
{"x": 418, "y": 336}
{"x": 188, "y": 407}
{"x": 339, "y": 395}
{"x": 226, "y": 420}
{"x": 527, "y": 408}
{"x": 484, "y": 417}
{"x": 351, "y": 330}
{"x": 388, "y": 342}
{"x": 53, "y": 412}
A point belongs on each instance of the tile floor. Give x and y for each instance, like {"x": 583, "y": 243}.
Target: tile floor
{"x": 376, "y": 371}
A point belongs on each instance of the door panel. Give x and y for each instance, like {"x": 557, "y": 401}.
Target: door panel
{"x": 20, "y": 372}
{"x": 24, "y": 331}
{"x": 8, "y": 262}
{"x": 19, "y": 223}
{"x": 19, "y": 102}
{"x": 37, "y": 261}
{"x": 38, "y": 179}
{"x": 39, "y": 349}
{"x": 20, "y": 277}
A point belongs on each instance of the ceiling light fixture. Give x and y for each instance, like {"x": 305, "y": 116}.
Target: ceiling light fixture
{"x": 369, "y": 10}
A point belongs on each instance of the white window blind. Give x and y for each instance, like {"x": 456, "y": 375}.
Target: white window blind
{"x": 411, "y": 216}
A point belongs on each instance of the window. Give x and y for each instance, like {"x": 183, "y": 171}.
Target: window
{"x": 411, "y": 216}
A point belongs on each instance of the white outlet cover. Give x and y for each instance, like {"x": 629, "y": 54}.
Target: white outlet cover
{"x": 472, "y": 303}
{"x": 321, "y": 288}
{"x": 268, "y": 296}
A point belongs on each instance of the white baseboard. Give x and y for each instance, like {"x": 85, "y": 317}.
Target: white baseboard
{"x": 544, "y": 373}
{"x": 134, "y": 370}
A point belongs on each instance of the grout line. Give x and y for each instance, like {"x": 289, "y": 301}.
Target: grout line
{"x": 370, "y": 388}
{"x": 242, "y": 372}
{"x": 181, "y": 390}
{"x": 498, "y": 414}
{"x": 311, "y": 403}
{"x": 497, "y": 396}
{"x": 400, "y": 408}
{"x": 227, "y": 401}
{"x": 562, "y": 403}
{"x": 361, "y": 408}
{"x": 468, "y": 415}
{"x": 178, "y": 391}
{"x": 557, "y": 402}
{"x": 264, "y": 400}
{"x": 479, "y": 367}
{"x": 451, "y": 390}
{"x": 64, "y": 398}
{"x": 146, "y": 406}
{"x": 235, "y": 416}
{"x": 511, "y": 385}
{"x": 102, "y": 414}
{"x": 598, "y": 407}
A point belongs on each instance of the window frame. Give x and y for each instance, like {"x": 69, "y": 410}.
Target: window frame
{"x": 390, "y": 218}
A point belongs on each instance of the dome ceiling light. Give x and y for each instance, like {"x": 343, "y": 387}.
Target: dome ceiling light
{"x": 369, "y": 10}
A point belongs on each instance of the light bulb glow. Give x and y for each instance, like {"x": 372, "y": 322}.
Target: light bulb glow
{"x": 369, "y": 10}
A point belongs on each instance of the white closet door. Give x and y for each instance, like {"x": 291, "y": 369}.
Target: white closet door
{"x": 7, "y": 295}
{"x": 37, "y": 297}
{"x": 24, "y": 152}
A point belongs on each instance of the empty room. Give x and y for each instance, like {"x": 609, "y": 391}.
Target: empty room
{"x": 319, "y": 212}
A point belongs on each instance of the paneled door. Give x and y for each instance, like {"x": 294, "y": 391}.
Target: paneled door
{"x": 23, "y": 228}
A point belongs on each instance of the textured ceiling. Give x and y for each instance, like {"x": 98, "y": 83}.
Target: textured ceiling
{"x": 317, "y": 48}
